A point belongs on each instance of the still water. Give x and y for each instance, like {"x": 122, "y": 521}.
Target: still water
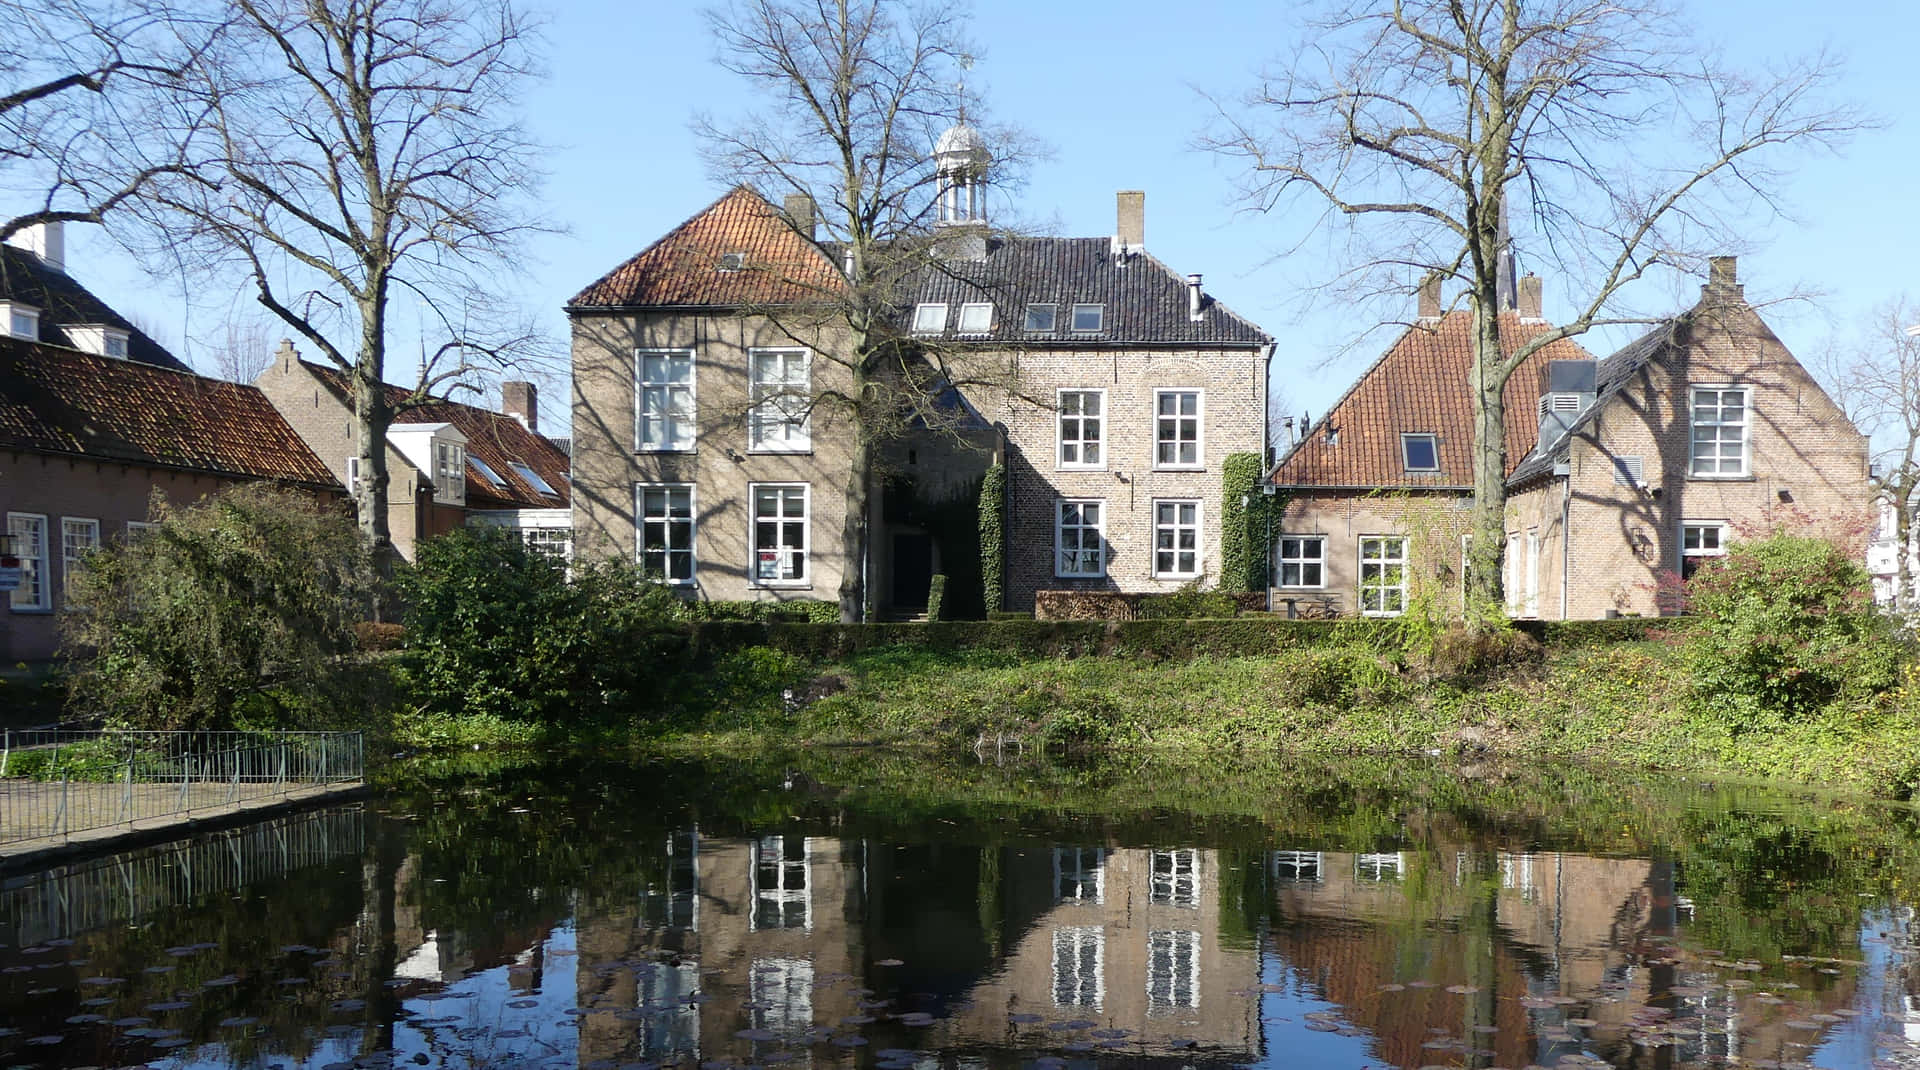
{"x": 866, "y": 910}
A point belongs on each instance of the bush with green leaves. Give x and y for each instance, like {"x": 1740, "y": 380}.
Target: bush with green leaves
{"x": 203, "y": 621}
{"x": 1242, "y": 560}
{"x": 495, "y": 627}
{"x": 1786, "y": 625}
{"x": 993, "y": 538}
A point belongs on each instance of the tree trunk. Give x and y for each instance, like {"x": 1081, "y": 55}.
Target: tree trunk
{"x": 1485, "y": 584}
{"x": 1902, "y": 552}
{"x": 855, "y": 534}
{"x": 373, "y": 415}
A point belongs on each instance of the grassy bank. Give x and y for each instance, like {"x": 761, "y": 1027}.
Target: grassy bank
{"x": 1623, "y": 704}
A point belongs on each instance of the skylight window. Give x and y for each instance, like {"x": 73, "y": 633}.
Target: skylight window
{"x": 533, "y": 478}
{"x": 1089, "y": 317}
{"x": 929, "y": 318}
{"x": 733, "y": 261}
{"x": 1041, "y": 317}
{"x": 976, "y": 318}
{"x": 1421, "y": 453}
{"x": 486, "y": 472}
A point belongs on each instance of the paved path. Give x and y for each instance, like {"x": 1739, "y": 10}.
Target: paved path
{"x": 38, "y": 816}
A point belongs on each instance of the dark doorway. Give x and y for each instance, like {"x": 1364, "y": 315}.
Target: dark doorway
{"x": 912, "y": 570}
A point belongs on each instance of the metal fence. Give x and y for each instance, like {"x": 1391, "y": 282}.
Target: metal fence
{"x": 55, "y": 783}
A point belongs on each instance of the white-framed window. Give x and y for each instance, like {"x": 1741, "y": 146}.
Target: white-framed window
{"x": 1380, "y": 868}
{"x": 22, "y": 321}
{"x": 1298, "y": 867}
{"x": 1510, "y": 575}
{"x": 1421, "y": 452}
{"x": 1079, "y": 966}
{"x": 733, "y": 261}
{"x": 1303, "y": 560}
{"x": 1042, "y": 317}
{"x": 781, "y": 896}
{"x": 779, "y": 387}
{"x": 449, "y": 472}
{"x": 664, "y": 514}
{"x": 782, "y": 995}
{"x": 27, "y": 540}
{"x": 1088, "y": 318}
{"x": 780, "y": 535}
{"x": 553, "y": 542}
{"x": 79, "y": 536}
{"x": 1383, "y": 575}
{"x": 1175, "y": 880}
{"x": 1173, "y": 970}
{"x": 1531, "y": 606}
{"x": 1700, "y": 542}
{"x": 1176, "y": 538}
{"x": 929, "y": 318}
{"x": 1080, "y": 538}
{"x": 976, "y": 317}
{"x": 664, "y": 408}
{"x": 1516, "y": 874}
{"x": 1176, "y": 434}
{"x": 1719, "y": 419}
{"x": 1082, "y": 429}
{"x": 1079, "y": 874}
{"x": 137, "y": 529}
{"x": 114, "y": 343}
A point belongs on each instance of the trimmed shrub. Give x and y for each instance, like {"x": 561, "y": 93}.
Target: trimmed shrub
{"x": 936, "y": 594}
{"x": 993, "y": 538}
{"x": 799, "y": 610}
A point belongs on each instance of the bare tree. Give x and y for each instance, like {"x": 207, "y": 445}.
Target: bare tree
{"x": 856, "y": 94}
{"x": 1876, "y": 378}
{"x": 242, "y": 349}
{"x": 366, "y": 149}
{"x": 1413, "y": 125}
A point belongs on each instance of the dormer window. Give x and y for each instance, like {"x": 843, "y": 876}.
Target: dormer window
{"x": 976, "y": 318}
{"x": 449, "y": 471}
{"x": 1089, "y": 317}
{"x": 23, "y": 321}
{"x": 1421, "y": 452}
{"x": 98, "y": 339}
{"x": 929, "y": 318}
{"x": 733, "y": 261}
{"x": 1041, "y": 317}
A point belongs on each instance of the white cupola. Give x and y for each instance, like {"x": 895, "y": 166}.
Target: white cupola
{"x": 962, "y": 157}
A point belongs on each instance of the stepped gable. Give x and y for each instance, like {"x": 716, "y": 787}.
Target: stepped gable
{"x": 66, "y": 402}
{"x": 1421, "y": 385}
{"x": 691, "y": 266}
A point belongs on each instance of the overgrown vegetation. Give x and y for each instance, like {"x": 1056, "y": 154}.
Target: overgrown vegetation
{"x": 1242, "y": 565}
{"x": 993, "y": 538}
{"x": 235, "y": 612}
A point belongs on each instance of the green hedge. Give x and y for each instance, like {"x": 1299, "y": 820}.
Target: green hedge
{"x": 1564, "y": 633}
{"x": 1241, "y": 558}
{"x": 993, "y": 538}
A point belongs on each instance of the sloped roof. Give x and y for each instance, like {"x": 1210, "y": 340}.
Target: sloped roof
{"x": 1144, "y": 301}
{"x": 62, "y": 301}
{"x": 1420, "y": 385}
{"x": 1614, "y": 372}
{"x": 687, "y": 267}
{"x": 494, "y": 438}
{"x": 61, "y": 401}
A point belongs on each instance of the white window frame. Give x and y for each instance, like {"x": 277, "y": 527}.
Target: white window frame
{"x": 692, "y": 524}
{"x": 1433, "y": 443}
{"x": 1694, "y": 427}
{"x": 1173, "y": 957}
{"x": 1531, "y": 605}
{"x": 1081, "y": 869}
{"x": 30, "y": 313}
{"x": 1198, "y": 527}
{"x": 1298, "y": 867}
{"x": 780, "y": 419}
{"x": 1098, "y": 311}
{"x": 449, "y": 472}
{"x": 1199, "y": 418}
{"x": 1080, "y": 441}
{"x": 35, "y": 593}
{"x": 1060, "y": 527}
{"x": 783, "y": 893}
{"x": 1173, "y": 878}
{"x": 138, "y": 528}
{"x": 929, "y": 317}
{"x": 1380, "y": 867}
{"x": 1052, "y": 313}
{"x": 1381, "y": 563}
{"x": 973, "y": 309}
{"x": 805, "y": 549}
{"x": 73, "y": 553}
{"x": 1721, "y": 528}
{"x": 782, "y": 995}
{"x": 353, "y": 474}
{"x": 1300, "y": 561}
{"x": 1080, "y": 966}
{"x": 679, "y": 420}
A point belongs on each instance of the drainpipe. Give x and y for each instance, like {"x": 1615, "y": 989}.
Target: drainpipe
{"x": 1566, "y": 541}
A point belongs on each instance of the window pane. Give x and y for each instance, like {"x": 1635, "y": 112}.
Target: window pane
{"x": 1088, "y": 317}
{"x": 1040, "y": 317}
{"x": 976, "y": 317}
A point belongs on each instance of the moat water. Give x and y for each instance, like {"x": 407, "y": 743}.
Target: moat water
{"x": 870, "y": 910}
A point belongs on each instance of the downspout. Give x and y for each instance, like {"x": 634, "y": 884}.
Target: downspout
{"x": 1566, "y": 540}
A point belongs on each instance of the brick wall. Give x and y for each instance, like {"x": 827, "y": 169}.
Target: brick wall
{"x": 1433, "y": 522}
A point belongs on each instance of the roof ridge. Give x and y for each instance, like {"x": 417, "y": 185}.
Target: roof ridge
{"x": 1348, "y": 392}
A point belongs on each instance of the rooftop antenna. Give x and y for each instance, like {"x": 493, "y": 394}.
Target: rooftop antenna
{"x": 966, "y": 64}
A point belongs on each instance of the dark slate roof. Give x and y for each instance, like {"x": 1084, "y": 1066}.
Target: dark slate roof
{"x": 1145, "y": 301}
{"x": 1612, "y": 375}
{"x": 1420, "y": 386}
{"x": 495, "y": 438}
{"x": 62, "y": 301}
{"x": 61, "y": 401}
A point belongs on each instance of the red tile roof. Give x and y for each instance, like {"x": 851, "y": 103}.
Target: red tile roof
{"x": 1421, "y": 386}
{"x": 778, "y": 266}
{"x": 61, "y": 401}
{"x": 494, "y": 438}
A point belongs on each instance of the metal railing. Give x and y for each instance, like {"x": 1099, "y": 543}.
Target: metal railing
{"x": 55, "y": 782}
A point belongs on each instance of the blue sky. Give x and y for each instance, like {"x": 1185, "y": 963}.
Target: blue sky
{"x": 1114, "y": 88}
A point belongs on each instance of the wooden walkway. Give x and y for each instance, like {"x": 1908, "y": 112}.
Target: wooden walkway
{"x": 43, "y": 817}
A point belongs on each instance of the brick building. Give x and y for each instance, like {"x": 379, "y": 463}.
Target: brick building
{"x": 1112, "y": 387}
{"x": 96, "y": 418}
{"x": 1623, "y": 472}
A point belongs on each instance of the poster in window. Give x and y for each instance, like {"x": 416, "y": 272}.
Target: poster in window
{"x": 769, "y": 564}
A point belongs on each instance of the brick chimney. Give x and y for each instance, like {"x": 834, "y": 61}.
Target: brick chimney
{"x": 522, "y": 402}
{"x": 1529, "y": 299}
{"x": 1723, "y": 277}
{"x": 1429, "y": 307}
{"x": 1130, "y": 230}
{"x": 800, "y": 213}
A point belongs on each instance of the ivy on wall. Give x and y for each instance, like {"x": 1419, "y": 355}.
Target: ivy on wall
{"x": 1242, "y": 563}
{"x": 993, "y": 537}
